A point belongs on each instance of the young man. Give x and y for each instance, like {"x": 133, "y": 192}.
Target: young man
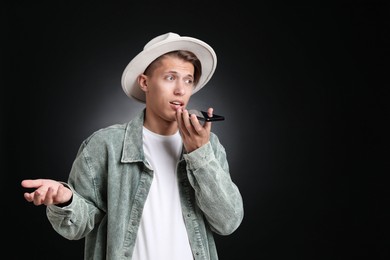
{"x": 157, "y": 187}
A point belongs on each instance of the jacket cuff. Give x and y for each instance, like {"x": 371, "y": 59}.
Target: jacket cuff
{"x": 200, "y": 157}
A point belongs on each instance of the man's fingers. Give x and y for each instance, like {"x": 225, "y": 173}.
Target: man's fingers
{"x": 181, "y": 122}
{"x": 186, "y": 120}
{"x": 210, "y": 111}
{"x": 49, "y": 196}
{"x": 28, "y": 197}
{"x": 195, "y": 124}
{"x": 38, "y": 197}
{"x": 32, "y": 183}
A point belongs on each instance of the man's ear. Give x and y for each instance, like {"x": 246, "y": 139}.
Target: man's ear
{"x": 143, "y": 82}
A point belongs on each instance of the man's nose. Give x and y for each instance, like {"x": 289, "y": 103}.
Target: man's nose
{"x": 180, "y": 88}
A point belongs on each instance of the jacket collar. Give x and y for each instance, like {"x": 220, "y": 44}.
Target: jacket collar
{"x": 132, "y": 143}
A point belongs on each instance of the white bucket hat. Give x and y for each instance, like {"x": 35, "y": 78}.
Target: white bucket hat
{"x": 160, "y": 45}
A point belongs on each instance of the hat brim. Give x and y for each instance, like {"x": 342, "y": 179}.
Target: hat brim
{"x": 139, "y": 63}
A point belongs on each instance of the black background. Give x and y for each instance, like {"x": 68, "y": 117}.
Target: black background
{"x": 303, "y": 88}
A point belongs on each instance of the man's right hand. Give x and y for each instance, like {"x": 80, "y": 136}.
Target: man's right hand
{"x": 46, "y": 192}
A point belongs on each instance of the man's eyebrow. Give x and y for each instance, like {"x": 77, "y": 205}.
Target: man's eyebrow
{"x": 176, "y": 72}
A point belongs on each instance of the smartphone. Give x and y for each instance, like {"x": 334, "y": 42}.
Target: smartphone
{"x": 203, "y": 116}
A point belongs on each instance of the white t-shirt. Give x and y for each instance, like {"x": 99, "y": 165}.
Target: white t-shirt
{"x": 162, "y": 234}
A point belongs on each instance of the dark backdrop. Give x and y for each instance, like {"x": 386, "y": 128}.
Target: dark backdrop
{"x": 303, "y": 88}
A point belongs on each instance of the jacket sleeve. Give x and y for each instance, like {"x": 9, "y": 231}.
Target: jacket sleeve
{"x": 215, "y": 192}
{"x": 77, "y": 219}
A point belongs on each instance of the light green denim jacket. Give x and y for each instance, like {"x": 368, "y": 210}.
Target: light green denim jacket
{"x": 110, "y": 179}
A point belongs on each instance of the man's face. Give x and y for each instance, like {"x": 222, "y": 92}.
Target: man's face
{"x": 168, "y": 88}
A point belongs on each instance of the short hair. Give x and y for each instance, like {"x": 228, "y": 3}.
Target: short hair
{"x": 183, "y": 55}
